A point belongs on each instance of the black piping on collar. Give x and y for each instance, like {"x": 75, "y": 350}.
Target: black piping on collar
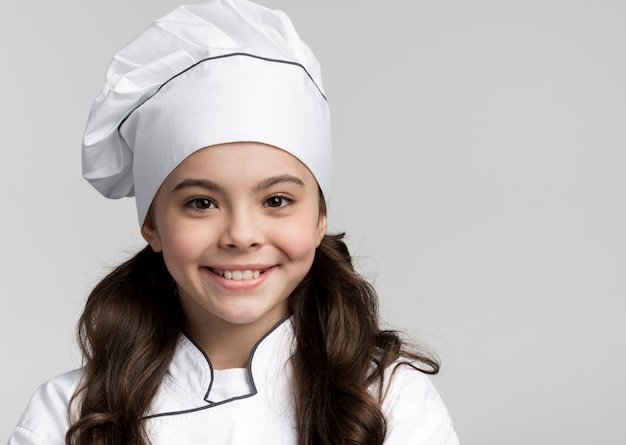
{"x": 206, "y": 396}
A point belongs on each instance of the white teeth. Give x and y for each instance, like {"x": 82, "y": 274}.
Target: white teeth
{"x": 239, "y": 275}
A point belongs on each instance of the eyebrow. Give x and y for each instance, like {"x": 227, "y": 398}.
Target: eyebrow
{"x": 214, "y": 187}
{"x": 289, "y": 179}
{"x": 202, "y": 183}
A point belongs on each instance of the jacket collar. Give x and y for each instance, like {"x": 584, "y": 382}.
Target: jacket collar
{"x": 191, "y": 372}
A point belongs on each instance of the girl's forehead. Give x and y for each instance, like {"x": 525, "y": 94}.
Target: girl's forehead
{"x": 240, "y": 162}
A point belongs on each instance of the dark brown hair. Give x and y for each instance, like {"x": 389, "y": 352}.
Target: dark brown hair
{"x": 130, "y": 326}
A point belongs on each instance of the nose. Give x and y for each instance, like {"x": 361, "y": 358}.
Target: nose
{"x": 241, "y": 230}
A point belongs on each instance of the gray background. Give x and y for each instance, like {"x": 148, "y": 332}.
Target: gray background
{"x": 479, "y": 175}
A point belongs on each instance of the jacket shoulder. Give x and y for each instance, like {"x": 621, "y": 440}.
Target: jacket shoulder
{"x": 414, "y": 410}
{"x": 45, "y": 419}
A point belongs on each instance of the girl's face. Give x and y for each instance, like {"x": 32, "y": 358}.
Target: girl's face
{"x": 238, "y": 225}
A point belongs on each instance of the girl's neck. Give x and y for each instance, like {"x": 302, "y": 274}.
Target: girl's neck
{"x": 227, "y": 345}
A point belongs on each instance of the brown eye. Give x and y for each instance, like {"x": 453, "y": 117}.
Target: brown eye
{"x": 277, "y": 201}
{"x": 201, "y": 204}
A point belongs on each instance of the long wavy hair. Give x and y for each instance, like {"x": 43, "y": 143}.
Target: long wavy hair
{"x": 129, "y": 329}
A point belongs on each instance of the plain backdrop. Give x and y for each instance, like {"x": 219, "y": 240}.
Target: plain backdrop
{"x": 479, "y": 175}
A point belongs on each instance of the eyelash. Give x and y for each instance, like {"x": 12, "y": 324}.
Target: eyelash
{"x": 286, "y": 201}
{"x": 206, "y": 203}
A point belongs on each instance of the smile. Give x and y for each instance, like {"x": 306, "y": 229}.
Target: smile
{"x": 238, "y": 275}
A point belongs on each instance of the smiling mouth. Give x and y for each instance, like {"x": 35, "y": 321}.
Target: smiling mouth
{"x": 238, "y": 275}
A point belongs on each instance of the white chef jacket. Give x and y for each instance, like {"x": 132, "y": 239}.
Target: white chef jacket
{"x": 197, "y": 405}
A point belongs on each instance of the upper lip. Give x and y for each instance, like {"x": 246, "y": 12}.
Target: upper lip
{"x": 241, "y": 267}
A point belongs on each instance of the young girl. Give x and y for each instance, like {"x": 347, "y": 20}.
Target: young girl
{"x": 242, "y": 321}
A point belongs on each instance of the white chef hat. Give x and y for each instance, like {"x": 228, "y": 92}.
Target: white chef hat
{"x": 218, "y": 72}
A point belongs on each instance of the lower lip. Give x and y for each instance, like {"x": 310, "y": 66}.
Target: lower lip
{"x": 239, "y": 284}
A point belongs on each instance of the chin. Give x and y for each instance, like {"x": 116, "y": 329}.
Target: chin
{"x": 250, "y": 316}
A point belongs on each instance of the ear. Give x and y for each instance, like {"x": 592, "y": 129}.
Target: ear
{"x": 150, "y": 232}
{"x": 322, "y": 226}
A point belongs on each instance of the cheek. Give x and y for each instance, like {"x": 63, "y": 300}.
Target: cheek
{"x": 182, "y": 244}
{"x": 299, "y": 241}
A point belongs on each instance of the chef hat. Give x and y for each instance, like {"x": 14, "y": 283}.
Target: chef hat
{"x": 206, "y": 74}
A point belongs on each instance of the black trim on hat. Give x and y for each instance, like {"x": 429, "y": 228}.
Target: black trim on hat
{"x": 223, "y": 56}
